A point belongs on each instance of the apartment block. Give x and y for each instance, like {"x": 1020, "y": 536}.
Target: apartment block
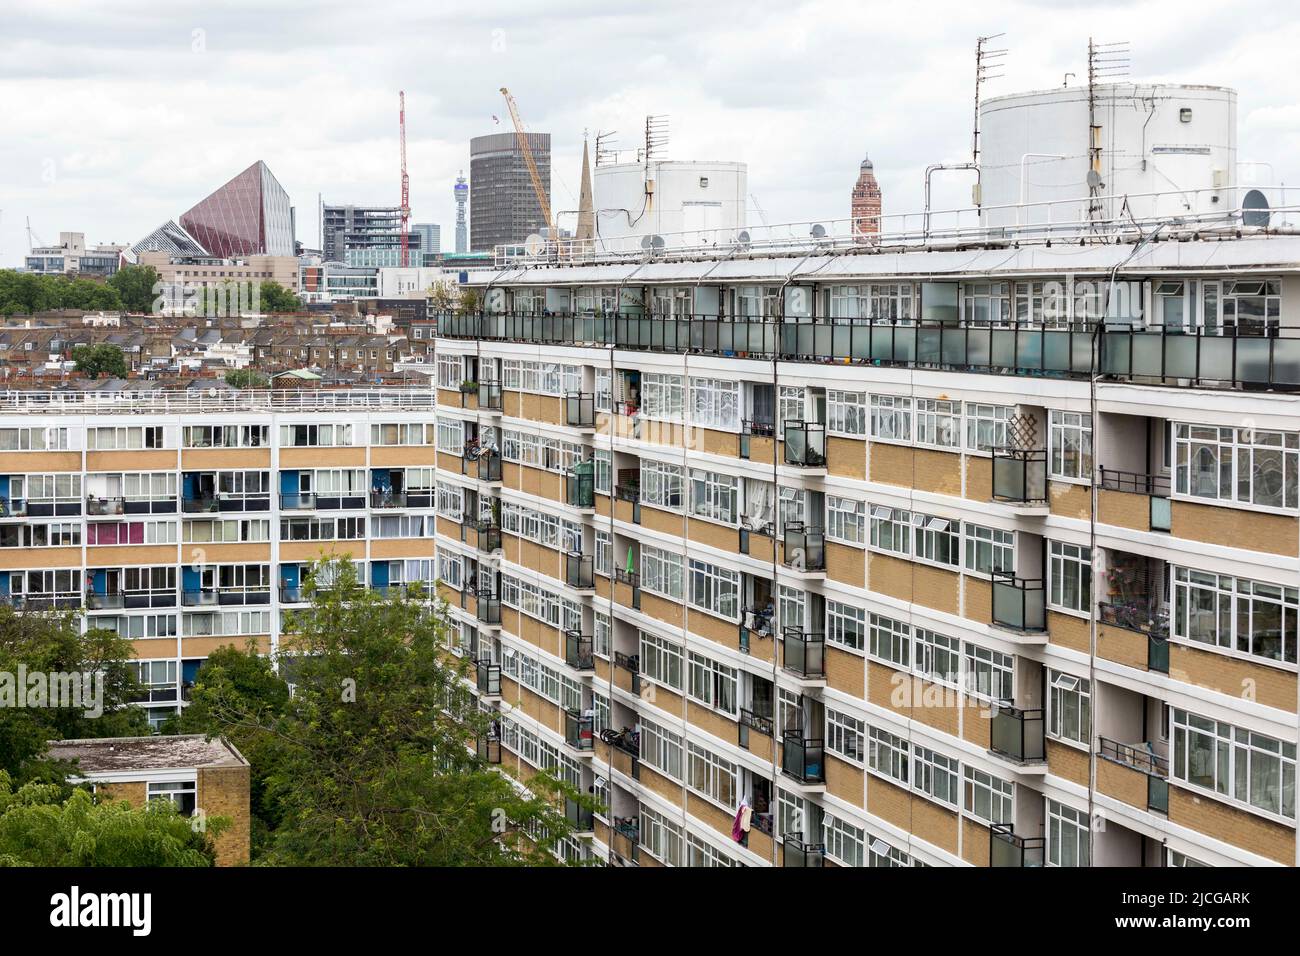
{"x": 977, "y": 556}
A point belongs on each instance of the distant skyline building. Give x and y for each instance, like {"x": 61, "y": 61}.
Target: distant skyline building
{"x": 346, "y": 228}
{"x": 462, "y": 226}
{"x": 73, "y": 257}
{"x": 430, "y": 240}
{"x": 503, "y": 204}
{"x": 865, "y": 203}
{"x": 586, "y": 201}
{"x": 249, "y": 216}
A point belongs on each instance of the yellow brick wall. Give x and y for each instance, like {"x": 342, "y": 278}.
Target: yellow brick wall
{"x": 223, "y": 792}
{"x": 1235, "y": 528}
{"x": 1231, "y": 825}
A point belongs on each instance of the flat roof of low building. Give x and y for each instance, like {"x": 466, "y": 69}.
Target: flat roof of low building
{"x": 118, "y": 754}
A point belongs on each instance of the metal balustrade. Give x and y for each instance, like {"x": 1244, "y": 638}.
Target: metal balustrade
{"x": 1018, "y": 734}
{"x": 1007, "y": 848}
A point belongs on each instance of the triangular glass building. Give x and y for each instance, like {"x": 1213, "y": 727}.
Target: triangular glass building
{"x": 248, "y": 216}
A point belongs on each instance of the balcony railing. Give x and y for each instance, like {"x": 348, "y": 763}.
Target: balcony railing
{"x": 1017, "y": 734}
{"x": 805, "y": 444}
{"x": 489, "y": 396}
{"x": 632, "y": 495}
{"x": 578, "y": 651}
{"x": 633, "y": 581}
{"x": 580, "y": 410}
{"x": 805, "y": 548}
{"x": 149, "y": 597}
{"x": 749, "y": 430}
{"x": 1155, "y": 487}
{"x": 298, "y": 501}
{"x": 795, "y": 852}
{"x": 580, "y": 818}
{"x": 1020, "y": 475}
{"x": 1006, "y": 848}
{"x": 292, "y": 595}
{"x": 101, "y": 601}
{"x": 580, "y": 489}
{"x": 578, "y": 572}
{"x": 1143, "y": 760}
{"x": 757, "y": 723}
{"x": 488, "y": 678}
{"x": 489, "y": 608}
{"x": 13, "y": 508}
{"x": 1146, "y": 618}
{"x": 387, "y": 499}
{"x": 1121, "y": 352}
{"x": 489, "y": 749}
{"x": 489, "y": 465}
{"x": 578, "y": 732}
{"x": 1019, "y": 603}
{"x": 105, "y": 507}
{"x": 803, "y": 758}
{"x": 632, "y": 664}
{"x": 46, "y": 601}
{"x": 487, "y": 536}
{"x": 803, "y": 652}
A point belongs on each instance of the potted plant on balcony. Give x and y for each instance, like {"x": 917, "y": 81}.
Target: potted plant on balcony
{"x": 468, "y": 387}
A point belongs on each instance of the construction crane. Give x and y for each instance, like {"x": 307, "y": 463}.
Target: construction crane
{"x": 405, "y": 209}
{"x": 521, "y": 137}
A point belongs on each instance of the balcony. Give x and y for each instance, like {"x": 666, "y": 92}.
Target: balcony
{"x": 632, "y": 664}
{"x": 1154, "y": 487}
{"x": 1008, "y": 849}
{"x": 1017, "y": 734}
{"x": 632, "y": 581}
{"x": 489, "y": 465}
{"x": 488, "y": 678}
{"x": 803, "y": 653}
{"x": 580, "y": 488}
{"x": 578, "y": 573}
{"x": 46, "y": 601}
{"x": 578, "y": 732}
{"x": 632, "y": 495}
{"x": 101, "y": 601}
{"x": 1142, "y": 618}
{"x": 489, "y": 608}
{"x": 1019, "y": 604}
{"x": 580, "y": 818}
{"x": 487, "y": 536}
{"x": 758, "y": 723}
{"x": 578, "y": 652}
{"x": 149, "y": 597}
{"x": 488, "y": 748}
{"x": 298, "y": 501}
{"x": 387, "y": 498}
{"x": 13, "y": 508}
{"x": 489, "y": 396}
{"x": 796, "y": 853}
{"x": 750, "y": 430}
{"x": 803, "y": 759}
{"x": 805, "y": 548}
{"x": 97, "y": 507}
{"x": 292, "y": 595}
{"x": 1140, "y": 758}
{"x": 625, "y": 839}
{"x": 805, "y": 444}
{"x": 202, "y": 504}
{"x": 755, "y": 622}
{"x": 1020, "y": 477}
{"x": 580, "y": 410}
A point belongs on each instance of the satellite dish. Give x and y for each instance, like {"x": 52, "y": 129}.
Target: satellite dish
{"x": 658, "y": 243}
{"x": 652, "y": 244}
{"x": 534, "y": 244}
{"x": 818, "y": 231}
{"x": 743, "y": 240}
{"x": 212, "y": 393}
{"x": 645, "y": 243}
{"x": 1094, "y": 179}
{"x": 1254, "y": 209}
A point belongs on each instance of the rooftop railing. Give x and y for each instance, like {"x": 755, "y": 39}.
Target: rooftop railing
{"x": 167, "y": 400}
{"x": 1154, "y": 354}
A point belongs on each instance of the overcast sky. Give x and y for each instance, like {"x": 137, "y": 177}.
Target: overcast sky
{"x": 120, "y": 115}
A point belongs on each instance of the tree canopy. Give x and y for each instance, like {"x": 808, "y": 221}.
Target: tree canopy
{"x": 370, "y": 761}
{"x": 135, "y": 287}
{"x": 97, "y": 360}
{"x": 246, "y": 378}
{"x": 25, "y": 293}
{"x": 276, "y": 298}
{"x": 42, "y": 824}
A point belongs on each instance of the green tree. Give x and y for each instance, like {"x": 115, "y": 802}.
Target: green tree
{"x": 370, "y": 761}
{"x": 50, "y": 644}
{"x": 135, "y": 287}
{"x": 246, "y": 378}
{"x": 276, "y": 298}
{"x": 97, "y": 360}
{"x": 245, "y": 682}
{"x": 42, "y": 825}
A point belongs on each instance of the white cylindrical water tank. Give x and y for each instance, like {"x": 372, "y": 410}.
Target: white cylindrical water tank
{"x": 686, "y": 203}
{"x": 1176, "y": 140}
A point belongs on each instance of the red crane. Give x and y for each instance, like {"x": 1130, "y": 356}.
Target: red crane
{"x": 406, "y": 183}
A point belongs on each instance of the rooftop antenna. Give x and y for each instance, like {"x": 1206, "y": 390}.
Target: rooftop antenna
{"x": 606, "y": 152}
{"x": 988, "y": 66}
{"x": 656, "y": 137}
{"x": 1105, "y": 61}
